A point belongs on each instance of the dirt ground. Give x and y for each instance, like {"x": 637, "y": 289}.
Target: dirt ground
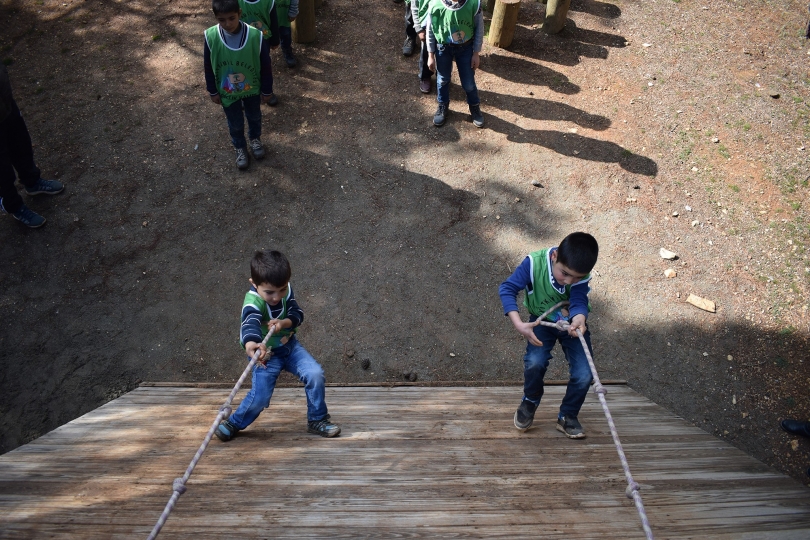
{"x": 650, "y": 124}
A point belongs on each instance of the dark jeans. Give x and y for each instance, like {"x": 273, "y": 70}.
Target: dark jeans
{"x": 424, "y": 73}
{"x": 446, "y": 55}
{"x": 285, "y": 37}
{"x": 236, "y": 120}
{"x": 17, "y": 154}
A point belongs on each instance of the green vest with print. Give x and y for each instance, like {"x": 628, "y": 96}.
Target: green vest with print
{"x": 280, "y": 337}
{"x": 257, "y": 14}
{"x": 283, "y": 12}
{"x": 541, "y": 295}
{"x": 237, "y": 71}
{"x": 422, "y": 7}
{"x": 453, "y": 26}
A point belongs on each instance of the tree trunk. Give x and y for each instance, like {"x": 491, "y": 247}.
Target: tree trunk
{"x": 556, "y": 13}
{"x": 303, "y": 27}
{"x": 504, "y": 20}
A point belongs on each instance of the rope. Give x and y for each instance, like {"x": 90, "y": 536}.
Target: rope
{"x": 633, "y": 488}
{"x": 179, "y": 484}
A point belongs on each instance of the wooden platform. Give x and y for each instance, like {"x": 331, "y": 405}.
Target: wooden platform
{"x": 412, "y": 462}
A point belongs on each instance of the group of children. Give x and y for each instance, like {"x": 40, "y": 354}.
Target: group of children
{"x": 548, "y": 277}
{"x": 239, "y": 75}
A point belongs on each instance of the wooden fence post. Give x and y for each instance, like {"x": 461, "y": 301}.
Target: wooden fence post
{"x": 504, "y": 21}
{"x": 303, "y": 27}
{"x": 556, "y": 13}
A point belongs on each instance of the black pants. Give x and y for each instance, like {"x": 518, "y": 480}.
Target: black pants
{"x": 17, "y": 154}
{"x": 424, "y": 73}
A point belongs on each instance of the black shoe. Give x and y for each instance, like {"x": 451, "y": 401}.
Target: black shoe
{"x": 571, "y": 427}
{"x": 289, "y": 58}
{"x": 273, "y": 101}
{"x": 441, "y": 115}
{"x": 226, "y": 431}
{"x": 408, "y": 46}
{"x": 796, "y": 427}
{"x": 524, "y": 415}
{"x": 324, "y": 427}
{"x": 477, "y": 117}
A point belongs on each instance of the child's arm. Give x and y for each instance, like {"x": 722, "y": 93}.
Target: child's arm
{"x": 578, "y": 307}
{"x": 415, "y": 18}
{"x": 265, "y": 72}
{"x": 478, "y": 36}
{"x": 431, "y": 46}
{"x": 293, "y": 12}
{"x": 210, "y": 81}
{"x": 508, "y": 292}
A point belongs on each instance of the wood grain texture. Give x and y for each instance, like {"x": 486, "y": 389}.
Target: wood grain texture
{"x": 412, "y": 462}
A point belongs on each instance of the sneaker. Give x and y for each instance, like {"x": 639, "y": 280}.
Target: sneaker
{"x": 424, "y": 86}
{"x": 257, "y": 148}
{"x": 45, "y": 187}
{"x": 408, "y": 46}
{"x": 289, "y": 58}
{"x": 241, "y": 159}
{"x": 226, "y": 431}
{"x": 324, "y": 427}
{"x": 571, "y": 427}
{"x": 524, "y": 415}
{"x": 273, "y": 100}
{"x": 440, "y": 116}
{"x": 477, "y": 117}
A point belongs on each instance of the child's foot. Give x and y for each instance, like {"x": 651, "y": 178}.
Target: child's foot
{"x": 571, "y": 427}
{"x": 45, "y": 187}
{"x": 241, "y": 159}
{"x": 477, "y": 117}
{"x": 273, "y": 101}
{"x": 257, "y": 148}
{"x": 424, "y": 86}
{"x": 26, "y": 216}
{"x": 524, "y": 415}
{"x": 440, "y": 116}
{"x": 289, "y": 58}
{"x": 225, "y": 431}
{"x": 323, "y": 427}
{"x": 408, "y": 46}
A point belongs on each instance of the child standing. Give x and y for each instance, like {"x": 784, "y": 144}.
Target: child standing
{"x": 287, "y": 12}
{"x": 550, "y": 276}
{"x": 270, "y": 306}
{"x": 262, "y": 15}
{"x": 415, "y": 17}
{"x": 238, "y": 76}
{"x": 455, "y": 32}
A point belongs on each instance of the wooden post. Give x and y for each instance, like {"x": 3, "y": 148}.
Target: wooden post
{"x": 303, "y": 27}
{"x": 504, "y": 20}
{"x": 556, "y": 13}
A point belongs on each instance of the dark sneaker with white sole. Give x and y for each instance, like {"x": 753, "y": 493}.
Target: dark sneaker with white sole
{"x": 241, "y": 159}
{"x": 440, "y": 116}
{"x": 256, "y": 148}
{"x": 323, "y": 427}
{"x": 524, "y": 415}
{"x": 571, "y": 427}
{"x": 226, "y": 431}
{"x": 477, "y": 117}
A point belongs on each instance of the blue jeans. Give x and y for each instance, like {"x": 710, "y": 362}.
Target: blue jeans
{"x": 462, "y": 54}
{"x": 535, "y": 364}
{"x": 285, "y": 38}
{"x": 252, "y": 106}
{"x": 294, "y": 358}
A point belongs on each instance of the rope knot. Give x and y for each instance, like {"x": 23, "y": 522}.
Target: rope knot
{"x": 226, "y": 411}
{"x": 179, "y": 486}
{"x": 599, "y": 389}
{"x": 630, "y": 489}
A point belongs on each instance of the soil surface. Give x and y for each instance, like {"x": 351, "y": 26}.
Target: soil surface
{"x": 650, "y": 124}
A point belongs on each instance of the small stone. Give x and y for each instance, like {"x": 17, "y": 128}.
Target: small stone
{"x": 412, "y": 376}
{"x": 670, "y": 273}
{"x": 350, "y": 353}
{"x": 695, "y": 223}
{"x": 745, "y": 415}
{"x": 667, "y": 254}
{"x": 774, "y": 94}
{"x": 631, "y": 199}
{"x": 536, "y": 183}
{"x": 365, "y": 364}
{"x": 517, "y": 199}
{"x": 705, "y": 354}
{"x": 145, "y": 223}
{"x": 733, "y": 400}
{"x": 715, "y": 140}
{"x": 730, "y": 358}
{"x": 794, "y": 444}
{"x": 688, "y": 208}
{"x": 695, "y": 169}
{"x": 702, "y": 303}
{"x": 452, "y": 355}
{"x": 675, "y": 214}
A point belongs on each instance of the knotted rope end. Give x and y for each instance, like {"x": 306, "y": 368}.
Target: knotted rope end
{"x": 179, "y": 486}
{"x": 630, "y": 489}
{"x": 599, "y": 389}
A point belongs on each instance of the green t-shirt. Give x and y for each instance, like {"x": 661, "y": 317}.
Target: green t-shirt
{"x": 257, "y": 14}
{"x": 541, "y": 294}
{"x": 453, "y": 25}
{"x": 237, "y": 71}
{"x": 280, "y": 337}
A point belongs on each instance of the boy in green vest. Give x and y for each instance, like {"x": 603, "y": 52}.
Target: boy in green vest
{"x": 270, "y": 307}
{"x": 262, "y": 14}
{"x": 287, "y": 12}
{"x": 455, "y": 32}
{"x": 550, "y": 276}
{"x": 238, "y": 76}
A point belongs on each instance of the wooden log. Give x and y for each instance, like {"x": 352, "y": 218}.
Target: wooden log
{"x": 504, "y": 21}
{"x": 303, "y": 27}
{"x": 556, "y": 13}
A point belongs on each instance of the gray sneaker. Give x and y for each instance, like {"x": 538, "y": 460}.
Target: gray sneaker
{"x": 440, "y": 116}
{"x": 323, "y": 427}
{"x": 257, "y": 148}
{"x": 241, "y": 159}
{"x": 477, "y": 117}
{"x": 524, "y": 415}
{"x": 571, "y": 427}
{"x": 408, "y": 46}
{"x": 45, "y": 187}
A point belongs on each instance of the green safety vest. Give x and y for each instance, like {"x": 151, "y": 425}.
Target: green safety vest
{"x": 237, "y": 71}
{"x": 541, "y": 294}
{"x": 453, "y": 26}
{"x": 422, "y": 7}
{"x": 257, "y": 14}
{"x": 283, "y": 12}
{"x": 280, "y": 337}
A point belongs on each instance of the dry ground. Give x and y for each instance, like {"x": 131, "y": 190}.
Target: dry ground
{"x": 399, "y": 233}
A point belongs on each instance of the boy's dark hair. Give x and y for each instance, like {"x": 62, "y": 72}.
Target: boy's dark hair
{"x": 224, "y": 6}
{"x": 578, "y": 251}
{"x": 271, "y": 267}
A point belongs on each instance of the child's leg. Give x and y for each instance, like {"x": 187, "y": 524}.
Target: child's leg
{"x": 236, "y": 123}
{"x": 264, "y": 382}
{"x": 424, "y": 73}
{"x": 466, "y": 73}
{"x": 253, "y": 113}
{"x": 580, "y": 371}
{"x": 535, "y": 363}
{"x": 285, "y": 37}
{"x": 444, "y": 69}
{"x": 301, "y": 364}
